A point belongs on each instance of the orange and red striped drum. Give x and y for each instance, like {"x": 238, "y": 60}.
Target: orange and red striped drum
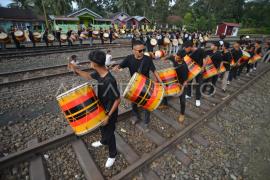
{"x": 210, "y": 69}
{"x": 223, "y": 69}
{"x": 63, "y": 38}
{"x": 115, "y": 36}
{"x": 4, "y": 38}
{"x": 19, "y": 36}
{"x": 50, "y": 38}
{"x": 82, "y": 109}
{"x": 37, "y": 36}
{"x": 150, "y": 54}
{"x": 170, "y": 79}
{"x": 193, "y": 67}
{"x": 95, "y": 34}
{"x": 232, "y": 63}
{"x": 244, "y": 58}
{"x": 73, "y": 37}
{"x": 160, "y": 53}
{"x": 144, "y": 92}
{"x": 105, "y": 36}
{"x": 254, "y": 59}
{"x": 83, "y": 35}
{"x": 166, "y": 41}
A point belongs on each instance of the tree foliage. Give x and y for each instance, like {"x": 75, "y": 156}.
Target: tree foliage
{"x": 179, "y": 23}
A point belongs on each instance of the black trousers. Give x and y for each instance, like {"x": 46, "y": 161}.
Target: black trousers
{"x": 80, "y": 41}
{"x": 199, "y": 80}
{"x": 102, "y": 41}
{"x": 214, "y": 81}
{"x": 149, "y": 47}
{"x": 182, "y": 102}
{"x": 46, "y": 41}
{"x": 111, "y": 39}
{"x": 232, "y": 74}
{"x": 240, "y": 68}
{"x": 132, "y": 43}
{"x": 108, "y": 137}
{"x": 59, "y": 42}
{"x": 138, "y": 116}
{"x": 248, "y": 67}
{"x": 17, "y": 43}
{"x": 204, "y": 44}
{"x": 33, "y": 41}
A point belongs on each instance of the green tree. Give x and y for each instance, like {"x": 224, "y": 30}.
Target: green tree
{"x": 161, "y": 12}
{"x": 179, "y": 23}
{"x": 61, "y": 7}
{"x": 202, "y": 23}
{"x": 95, "y": 5}
{"x": 170, "y": 23}
{"x": 21, "y": 4}
{"x": 210, "y": 24}
{"x": 187, "y": 18}
{"x": 125, "y": 5}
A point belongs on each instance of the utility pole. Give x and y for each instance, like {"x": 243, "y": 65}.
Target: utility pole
{"x": 45, "y": 14}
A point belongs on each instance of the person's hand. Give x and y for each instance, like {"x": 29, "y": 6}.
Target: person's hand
{"x": 116, "y": 68}
{"x": 163, "y": 59}
{"x": 202, "y": 70}
{"x": 234, "y": 65}
{"x": 106, "y": 121}
{"x": 163, "y": 85}
{"x": 218, "y": 72}
{"x": 72, "y": 67}
{"x": 203, "y": 48}
{"x": 179, "y": 93}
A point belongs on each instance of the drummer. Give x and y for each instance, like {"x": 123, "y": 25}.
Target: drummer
{"x": 101, "y": 35}
{"x": 177, "y": 36}
{"x": 217, "y": 59}
{"x": 227, "y": 59}
{"x": 79, "y": 33}
{"x": 133, "y": 37}
{"x": 3, "y": 46}
{"x": 133, "y": 63}
{"x": 90, "y": 35}
{"x": 16, "y": 42}
{"x": 31, "y": 37}
{"x": 182, "y": 74}
{"x": 197, "y": 55}
{"x": 169, "y": 47}
{"x": 110, "y": 36}
{"x": 148, "y": 39}
{"x": 58, "y": 36}
{"x": 45, "y": 37}
{"x": 109, "y": 97}
{"x": 222, "y": 38}
{"x": 68, "y": 35}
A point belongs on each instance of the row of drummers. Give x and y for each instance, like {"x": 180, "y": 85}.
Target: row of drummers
{"x": 20, "y": 36}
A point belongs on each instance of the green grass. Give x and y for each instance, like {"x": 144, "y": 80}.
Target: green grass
{"x": 254, "y": 31}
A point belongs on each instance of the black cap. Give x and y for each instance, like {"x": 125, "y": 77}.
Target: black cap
{"x": 73, "y": 57}
{"x": 28, "y": 26}
{"x": 60, "y": 29}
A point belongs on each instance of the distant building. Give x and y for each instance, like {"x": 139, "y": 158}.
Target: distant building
{"x": 230, "y": 29}
{"x": 174, "y": 19}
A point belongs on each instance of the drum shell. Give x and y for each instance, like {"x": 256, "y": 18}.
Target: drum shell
{"x": 123, "y": 32}
{"x": 166, "y": 41}
{"x": 210, "y": 69}
{"x": 114, "y": 36}
{"x": 5, "y": 38}
{"x": 175, "y": 42}
{"x": 144, "y": 92}
{"x": 50, "y": 40}
{"x": 153, "y": 42}
{"x": 150, "y": 54}
{"x": 83, "y": 35}
{"x": 223, "y": 69}
{"x": 73, "y": 37}
{"x": 170, "y": 79}
{"x": 160, "y": 53}
{"x": 180, "y": 41}
{"x": 193, "y": 67}
{"x": 95, "y": 34}
{"x": 20, "y": 38}
{"x": 63, "y": 38}
{"x": 105, "y": 36}
{"x": 254, "y": 59}
{"x": 74, "y": 106}
{"x": 37, "y": 36}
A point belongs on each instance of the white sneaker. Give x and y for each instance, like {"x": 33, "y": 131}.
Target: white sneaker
{"x": 238, "y": 79}
{"x": 198, "y": 103}
{"x": 228, "y": 82}
{"x": 247, "y": 74}
{"x": 96, "y": 144}
{"x": 254, "y": 68}
{"x": 110, "y": 162}
{"x": 188, "y": 97}
{"x": 211, "y": 94}
{"x": 251, "y": 70}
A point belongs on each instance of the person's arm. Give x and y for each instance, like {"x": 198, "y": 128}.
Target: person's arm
{"x": 181, "y": 90}
{"x": 165, "y": 58}
{"x": 114, "y": 107}
{"x": 204, "y": 64}
{"x": 123, "y": 64}
{"x": 159, "y": 79}
{"x": 82, "y": 73}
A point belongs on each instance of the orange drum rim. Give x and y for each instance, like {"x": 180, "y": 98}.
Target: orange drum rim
{"x": 206, "y": 73}
{"x": 192, "y": 62}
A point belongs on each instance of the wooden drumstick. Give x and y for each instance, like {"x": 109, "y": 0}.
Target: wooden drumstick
{"x": 68, "y": 61}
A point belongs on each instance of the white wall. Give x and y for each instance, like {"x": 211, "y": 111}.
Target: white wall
{"x": 234, "y": 31}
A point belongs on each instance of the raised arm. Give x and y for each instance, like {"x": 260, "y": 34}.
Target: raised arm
{"x": 82, "y": 73}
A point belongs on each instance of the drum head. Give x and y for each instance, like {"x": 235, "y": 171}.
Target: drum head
{"x": 38, "y": 36}
{"x": 116, "y": 34}
{"x": 146, "y": 53}
{"x": 63, "y": 36}
{"x": 95, "y": 32}
{"x": 153, "y": 41}
{"x": 246, "y": 54}
{"x": 167, "y": 40}
{"x": 158, "y": 53}
{"x": 72, "y": 90}
{"x": 123, "y": 31}
{"x": 51, "y": 37}
{"x": 35, "y": 33}
{"x": 3, "y": 35}
{"x": 166, "y": 70}
{"x": 175, "y": 42}
{"x": 106, "y": 35}
{"x": 180, "y": 41}
{"x": 130, "y": 84}
{"x": 18, "y": 33}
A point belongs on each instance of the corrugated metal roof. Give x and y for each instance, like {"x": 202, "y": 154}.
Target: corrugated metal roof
{"x": 231, "y": 24}
{"x": 53, "y": 17}
{"x": 16, "y": 13}
{"x": 174, "y": 18}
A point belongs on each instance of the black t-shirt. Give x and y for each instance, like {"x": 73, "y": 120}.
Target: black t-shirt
{"x": 258, "y": 51}
{"x": 148, "y": 40}
{"x": 247, "y": 42}
{"x": 227, "y": 57}
{"x": 216, "y": 57}
{"x": 141, "y": 36}
{"x": 69, "y": 34}
{"x": 45, "y": 33}
{"x": 58, "y": 34}
{"x": 150, "y": 33}
{"x": 134, "y": 64}
{"x": 237, "y": 54}
{"x": 111, "y": 33}
{"x": 13, "y": 36}
{"x": 171, "y": 38}
{"x": 198, "y": 56}
{"x": 89, "y": 32}
{"x": 222, "y": 37}
{"x": 107, "y": 92}
{"x": 79, "y": 32}
{"x": 134, "y": 37}
{"x": 186, "y": 35}
{"x": 251, "y": 53}
{"x": 101, "y": 33}
{"x": 181, "y": 70}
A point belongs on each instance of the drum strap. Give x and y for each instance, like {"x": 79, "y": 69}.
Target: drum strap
{"x": 140, "y": 69}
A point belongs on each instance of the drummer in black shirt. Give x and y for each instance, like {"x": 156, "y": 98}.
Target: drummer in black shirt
{"x": 133, "y": 63}
{"x": 197, "y": 55}
{"x": 79, "y": 33}
{"x": 141, "y": 36}
{"x": 16, "y": 42}
{"x": 217, "y": 58}
{"x": 133, "y": 37}
{"x": 68, "y": 35}
{"x": 45, "y": 36}
{"x": 227, "y": 59}
{"x": 90, "y": 35}
{"x": 222, "y": 37}
{"x": 31, "y": 37}
{"x": 182, "y": 73}
{"x": 148, "y": 45}
{"x": 58, "y": 35}
{"x": 258, "y": 51}
{"x": 150, "y": 32}
{"x": 237, "y": 56}
{"x": 101, "y": 35}
{"x": 109, "y": 97}
{"x": 111, "y": 33}
{"x": 251, "y": 53}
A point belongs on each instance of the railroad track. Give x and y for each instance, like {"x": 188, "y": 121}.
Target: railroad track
{"x": 24, "y": 54}
{"x": 136, "y": 163}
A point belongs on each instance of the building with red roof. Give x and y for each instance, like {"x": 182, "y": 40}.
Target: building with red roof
{"x": 174, "y": 19}
{"x": 229, "y": 29}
